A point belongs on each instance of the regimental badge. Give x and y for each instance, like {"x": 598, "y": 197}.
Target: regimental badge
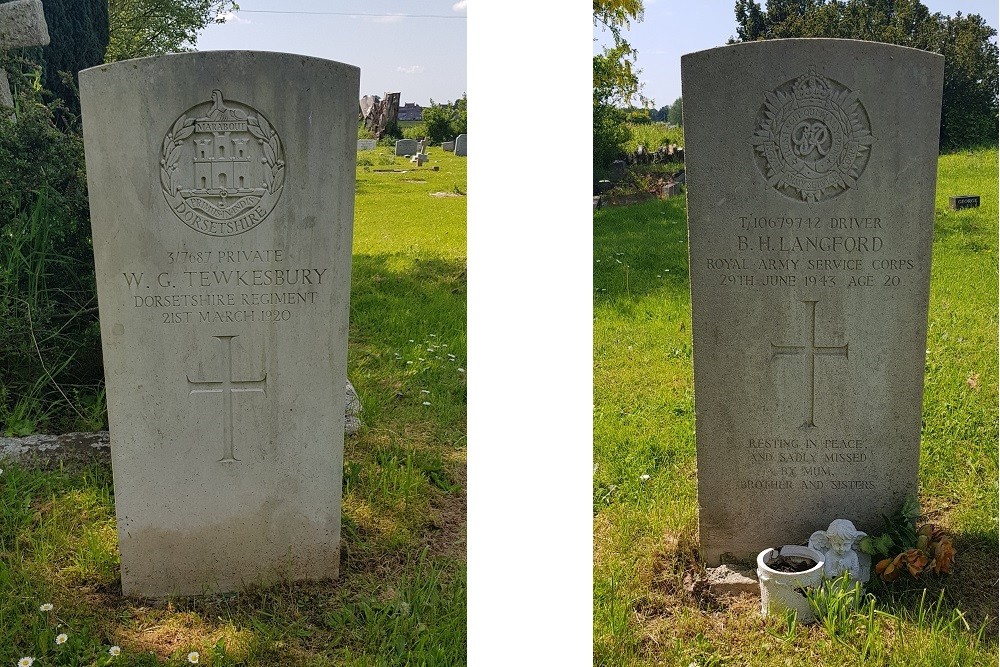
{"x": 812, "y": 138}
{"x": 222, "y": 167}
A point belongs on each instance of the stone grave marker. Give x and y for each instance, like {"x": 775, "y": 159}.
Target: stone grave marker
{"x": 448, "y": 146}
{"x": 222, "y": 199}
{"x": 22, "y": 24}
{"x": 367, "y": 144}
{"x": 810, "y": 170}
{"x": 461, "y": 145}
{"x": 963, "y": 201}
{"x": 406, "y": 147}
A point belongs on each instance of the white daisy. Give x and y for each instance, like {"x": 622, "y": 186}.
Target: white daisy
{"x": 61, "y": 639}
{"x": 115, "y": 650}
{"x": 193, "y": 657}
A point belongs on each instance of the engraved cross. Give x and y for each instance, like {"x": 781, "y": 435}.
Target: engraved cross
{"x": 227, "y": 387}
{"x": 810, "y": 350}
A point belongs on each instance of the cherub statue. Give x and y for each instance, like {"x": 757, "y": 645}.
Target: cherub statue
{"x": 838, "y": 543}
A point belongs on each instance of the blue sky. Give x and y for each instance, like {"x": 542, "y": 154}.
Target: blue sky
{"x": 671, "y": 28}
{"x": 415, "y": 47}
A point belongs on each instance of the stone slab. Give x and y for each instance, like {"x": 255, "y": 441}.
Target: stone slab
{"x": 406, "y": 147}
{"x": 811, "y": 168}
{"x": 222, "y": 213}
{"x": 448, "y": 146}
{"x": 367, "y": 144}
{"x": 732, "y": 580}
{"x": 462, "y": 145}
{"x": 22, "y": 24}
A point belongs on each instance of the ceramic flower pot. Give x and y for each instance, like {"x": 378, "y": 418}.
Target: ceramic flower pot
{"x": 782, "y": 591}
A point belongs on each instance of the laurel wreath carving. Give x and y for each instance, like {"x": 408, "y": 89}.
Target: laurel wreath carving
{"x": 274, "y": 177}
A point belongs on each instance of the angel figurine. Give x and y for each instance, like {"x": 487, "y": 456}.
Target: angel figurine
{"x": 838, "y": 544}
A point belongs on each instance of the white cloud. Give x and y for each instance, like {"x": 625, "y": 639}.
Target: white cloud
{"x": 460, "y": 5}
{"x": 412, "y": 69}
{"x": 389, "y": 18}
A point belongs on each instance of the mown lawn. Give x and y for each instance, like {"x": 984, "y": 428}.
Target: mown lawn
{"x": 401, "y": 596}
{"x": 645, "y": 528}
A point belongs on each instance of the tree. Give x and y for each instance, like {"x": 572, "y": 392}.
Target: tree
{"x": 969, "y": 109}
{"x": 446, "y": 121}
{"x": 78, "y": 34}
{"x": 675, "y": 113}
{"x": 616, "y": 81}
{"x": 142, "y": 28}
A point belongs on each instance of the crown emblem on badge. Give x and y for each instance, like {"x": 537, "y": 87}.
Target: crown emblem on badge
{"x": 811, "y": 88}
{"x": 222, "y": 167}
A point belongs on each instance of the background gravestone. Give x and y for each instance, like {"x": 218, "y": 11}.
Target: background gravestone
{"x": 367, "y": 144}
{"x": 222, "y": 209}
{"x": 22, "y": 23}
{"x": 406, "y": 147}
{"x": 811, "y": 168}
{"x": 462, "y": 145}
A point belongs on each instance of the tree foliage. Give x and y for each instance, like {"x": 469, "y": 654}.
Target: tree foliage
{"x": 78, "y": 34}
{"x": 969, "y": 105}
{"x": 616, "y": 79}
{"x": 141, "y": 28}
{"x": 675, "y": 113}
{"x": 446, "y": 121}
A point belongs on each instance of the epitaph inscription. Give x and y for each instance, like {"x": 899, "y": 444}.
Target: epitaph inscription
{"x": 222, "y": 167}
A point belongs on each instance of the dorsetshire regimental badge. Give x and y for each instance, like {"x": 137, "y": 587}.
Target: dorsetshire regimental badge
{"x": 812, "y": 138}
{"x": 222, "y": 167}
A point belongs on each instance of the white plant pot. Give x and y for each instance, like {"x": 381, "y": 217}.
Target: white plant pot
{"x": 777, "y": 589}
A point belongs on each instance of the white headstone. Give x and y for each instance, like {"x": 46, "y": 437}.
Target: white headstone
{"x": 811, "y": 168}
{"x": 222, "y": 211}
{"x": 461, "y": 145}
{"x": 367, "y": 144}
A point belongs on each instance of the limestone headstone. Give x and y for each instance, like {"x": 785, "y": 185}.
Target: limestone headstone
{"x": 448, "y": 146}
{"x": 461, "y": 145}
{"x": 22, "y": 23}
{"x": 419, "y": 159}
{"x": 222, "y": 197}
{"x": 406, "y": 147}
{"x": 367, "y": 144}
{"x": 811, "y": 167}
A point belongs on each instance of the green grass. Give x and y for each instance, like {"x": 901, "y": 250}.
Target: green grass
{"x": 400, "y": 599}
{"x": 645, "y": 529}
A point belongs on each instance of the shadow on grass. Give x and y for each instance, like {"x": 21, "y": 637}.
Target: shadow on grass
{"x": 639, "y": 250}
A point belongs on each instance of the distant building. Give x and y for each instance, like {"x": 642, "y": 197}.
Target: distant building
{"x": 410, "y": 111}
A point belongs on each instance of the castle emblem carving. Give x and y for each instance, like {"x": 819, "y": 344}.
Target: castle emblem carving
{"x": 812, "y": 138}
{"x": 222, "y": 167}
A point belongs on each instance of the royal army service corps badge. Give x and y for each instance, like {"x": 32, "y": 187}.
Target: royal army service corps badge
{"x": 812, "y": 138}
{"x": 222, "y": 167}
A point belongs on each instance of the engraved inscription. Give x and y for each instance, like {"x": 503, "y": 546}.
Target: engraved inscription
{"x": 222, "y": 167}
{"x": 227, "y": 387}
{"x": 812, "y": 138}
{"x": 809, "y": 350}
{"x": 229, "y": 286}
{"x": 872, "y": 263}
{"x": 828, "y": 464}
